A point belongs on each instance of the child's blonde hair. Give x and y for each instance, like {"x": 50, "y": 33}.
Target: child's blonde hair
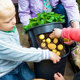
{"x": 5, "y": 7}
{"x": 76, "y": 55}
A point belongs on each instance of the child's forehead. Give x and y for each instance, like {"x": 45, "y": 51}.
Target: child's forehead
{"x": 7, "y": 12}
{"x": 7, "y": 9}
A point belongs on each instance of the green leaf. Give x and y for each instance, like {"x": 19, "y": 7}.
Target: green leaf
{"x": 43, "y": 18}
{"x": 25, "y": 27}
{"x": 41, "y": 22}
{"x": 49, "y": 21}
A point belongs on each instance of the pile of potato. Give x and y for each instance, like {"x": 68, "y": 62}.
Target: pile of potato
{"x": 53, "y": 44}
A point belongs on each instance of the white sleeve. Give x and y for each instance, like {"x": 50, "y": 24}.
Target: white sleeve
{"x": 13, "y": 52}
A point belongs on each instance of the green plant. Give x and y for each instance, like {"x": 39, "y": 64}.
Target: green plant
{"x": 43, "y": 18}
{"x": 78, "y": 1}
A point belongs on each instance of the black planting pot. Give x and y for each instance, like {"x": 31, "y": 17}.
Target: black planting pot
{"x": 46, "y": 69}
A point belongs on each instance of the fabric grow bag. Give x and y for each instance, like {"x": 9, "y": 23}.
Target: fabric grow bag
{"x": 46, "y": 69}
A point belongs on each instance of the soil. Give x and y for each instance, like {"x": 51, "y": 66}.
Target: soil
{"x": 60, "y": 41}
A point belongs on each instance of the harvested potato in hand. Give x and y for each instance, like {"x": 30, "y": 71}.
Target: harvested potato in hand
{"x": 66, "y": 40}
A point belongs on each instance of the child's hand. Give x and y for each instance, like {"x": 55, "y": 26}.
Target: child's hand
{"x": 54, "y": 57}
{"x": 69, "y": 42}
{"x": 56, "y": 33}
{"x": 58, "y": 76}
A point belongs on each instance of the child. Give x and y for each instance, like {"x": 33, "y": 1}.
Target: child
{"x": 71, "y": 34}
{"x": 12, "y": 54}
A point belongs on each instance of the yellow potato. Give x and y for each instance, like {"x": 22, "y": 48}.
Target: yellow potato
{"x": 51, "y": 46}
{"x": 43, "y": 45}
{"x": 54, "y": 51}
{"x": 58, "y": 53}
{"x": 60, "y": 47}
{"x": 55, "y": 40}
{"x": 42, "y": 36}
{"x": 44, "y": 40}
{"x": 66, "y": 40}
{"x": 48, "y": 40}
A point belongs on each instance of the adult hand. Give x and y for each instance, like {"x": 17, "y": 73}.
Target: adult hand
{"x": 54, "y": 57}
{"x": 75, "y": 24}
{"x": 58, "y": 76}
